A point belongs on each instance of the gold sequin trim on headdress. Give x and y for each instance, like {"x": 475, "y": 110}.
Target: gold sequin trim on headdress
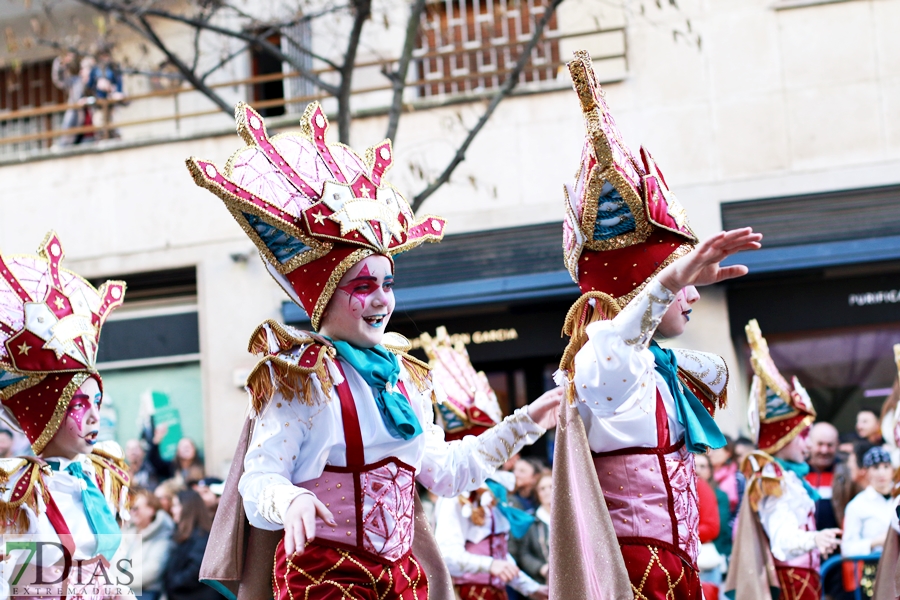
{"x": 59, "y": 413}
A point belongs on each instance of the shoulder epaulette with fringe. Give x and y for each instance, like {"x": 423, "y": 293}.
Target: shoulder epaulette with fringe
{"x": 112, "y": 475}
{"x": 290, "y": 357}
{"x": 763, "y": 475}
{"x": 419, "y": 371}
{"x": 706, "y": 375}
{"x": 21, "y": 485}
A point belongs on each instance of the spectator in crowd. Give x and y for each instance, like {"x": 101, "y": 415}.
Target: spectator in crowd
{"x": 105, "y": 84}
{"x": 6, "y": 443}
{"x": 210, "y": 489}
{"x": 527, "y": 471}
{"x": 823, "y": 444}
{"x": 849, "y": 478}
{"x": 193, "y": 523}
{"x": 742, "y": 447}
{"x": 186, "y": 466}
{"x": 165, "y": 493}
{"x": 710, "y": 561}
{"x": 868, "y": 426}
{"x": 704, "y": 471}
{"x": 868, "y": 515}
{"x": 533, "y": 550}
{"x": 725, "y": 471}
{"x": 151, "y": 544}
{"x": 142, "y": 473}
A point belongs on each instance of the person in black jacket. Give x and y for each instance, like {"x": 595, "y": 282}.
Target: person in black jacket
{"x": 533, "y": 550}
{"x": 193, "y": 523}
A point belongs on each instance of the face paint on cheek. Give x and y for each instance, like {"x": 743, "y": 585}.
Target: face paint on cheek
{"x": 359, "y": 288}
{"x": 79, "y": 410}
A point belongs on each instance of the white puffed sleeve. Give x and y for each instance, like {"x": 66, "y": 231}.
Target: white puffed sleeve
{"x": 614, "y": 368}
{"x": 779, "y": 518}
{"x": 452, "y": 468}
{"x": 449, "y": 532}
{"x": 266, "y": 486}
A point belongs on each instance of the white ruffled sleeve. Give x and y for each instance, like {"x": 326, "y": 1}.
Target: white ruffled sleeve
{"x": 449, "y": 532}
{"x": 452, "y": 468}
{"x": 615, "y": 369}
{"x": 778, "y": 515}
{"x": 266, "y": 486}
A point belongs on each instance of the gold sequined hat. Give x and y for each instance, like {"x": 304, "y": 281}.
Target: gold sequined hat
{"x": 313, "y": 209}
{"x": 50, "y": 321}
{"x": 622, "y": 224}
{"x": 471, "y": 406}
{"x": 779, "y": 411}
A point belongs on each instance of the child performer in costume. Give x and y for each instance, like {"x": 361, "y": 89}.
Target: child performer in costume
{"x": 473, "y": 530}
{"x": 343, "y": 419}
{"x": 50, "y": 321}
{"x": 645, "y": 409}
{"x": 778, "y": 498}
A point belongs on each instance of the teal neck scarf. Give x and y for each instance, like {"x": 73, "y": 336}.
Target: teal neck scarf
{"x": 519, "y": 520}
{"x": 99, "y": 516}
{"x": 381, "y": 370}
{"x": 700, "y": 430}
{"x": 801, "y": 470}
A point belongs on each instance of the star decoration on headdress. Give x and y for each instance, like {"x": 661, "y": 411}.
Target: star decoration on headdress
{"x": 60, "y": 303}
{"x": 319, "y": 218}
{"x": 24, "y": 348}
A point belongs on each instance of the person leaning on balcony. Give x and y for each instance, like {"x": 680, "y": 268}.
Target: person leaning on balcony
{"x": 342, "y": 418}
{"x": 105, "y": 84}
{"x": 66, "y": 75}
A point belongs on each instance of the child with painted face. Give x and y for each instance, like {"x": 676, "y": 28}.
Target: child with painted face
{"x": 777, "y": 521}
{"x": 641, "y": 410}
{"x": 342, "y": 422}
{"x": 73, "y": 493}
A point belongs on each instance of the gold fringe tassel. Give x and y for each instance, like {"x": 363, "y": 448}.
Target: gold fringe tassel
{"x": 580, "y": 315}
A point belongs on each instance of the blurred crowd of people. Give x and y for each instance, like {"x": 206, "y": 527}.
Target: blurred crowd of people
{"x": 172, "y": 511}
{"x": 93, "y": 82}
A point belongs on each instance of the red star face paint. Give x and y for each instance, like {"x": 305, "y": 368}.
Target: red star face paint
{"x": 363, "y": 304}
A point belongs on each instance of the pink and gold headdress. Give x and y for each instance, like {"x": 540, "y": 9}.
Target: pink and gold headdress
{"x": 50, "y": 321}
{"x": 622, "y": 224}
{"x": 471, "y": 406}
{"x": 313, "y": 209}
{"x": 779, "y": 411}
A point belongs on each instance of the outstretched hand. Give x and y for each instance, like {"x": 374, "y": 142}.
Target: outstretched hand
{"x": 544, "y": 411}
{"x": 701, "y": 267}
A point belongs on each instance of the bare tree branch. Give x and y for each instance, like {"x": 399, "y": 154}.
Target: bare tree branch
{"x": 264, "y": 44}
{"x": 362, "y": 10}
{"x": 398, "y": 77}
{"x": 185, "y": 70}
{"x": 512, "y": 79}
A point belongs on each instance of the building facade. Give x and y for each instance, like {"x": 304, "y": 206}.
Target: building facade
{"x": 780, "y": 114}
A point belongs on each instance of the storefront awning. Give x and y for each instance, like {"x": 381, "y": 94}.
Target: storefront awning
{"x": 819, "y": 255}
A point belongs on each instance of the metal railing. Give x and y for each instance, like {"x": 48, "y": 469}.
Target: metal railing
{"x": 34, "y": 131}
{"x": 838, "y": 561}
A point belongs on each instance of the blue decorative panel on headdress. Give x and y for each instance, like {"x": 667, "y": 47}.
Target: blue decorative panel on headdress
{"x": 776, "y": 406}
{"x": 451, "y": 419}
{"x": 283, "y": 246}
{"x": 613, "y": 215}
{"x": 7, "y": 379}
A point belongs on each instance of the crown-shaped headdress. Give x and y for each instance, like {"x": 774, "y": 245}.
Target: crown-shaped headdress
{"x": 779, "y": 410}
{"x": 471, "y": 406}
{"x": 622, "y": 224}
{"x": 313, "y": 209}
{"x": 50, "y": 321}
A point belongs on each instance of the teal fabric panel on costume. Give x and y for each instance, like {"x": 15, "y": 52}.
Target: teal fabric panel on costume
{"x": 283, "y": 246}
{"x": 613, "y": 215}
